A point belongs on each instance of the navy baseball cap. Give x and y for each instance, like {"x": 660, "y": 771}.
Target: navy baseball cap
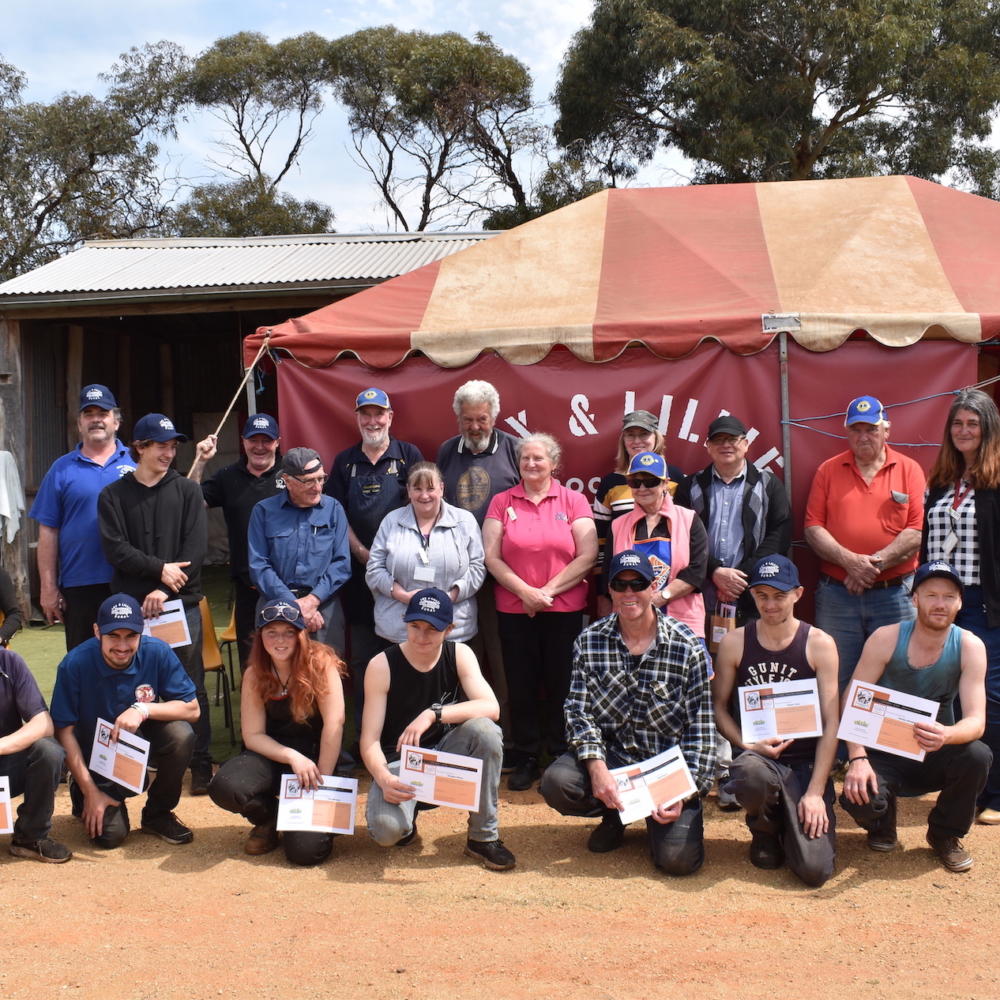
{"x": 636, "y": 561}
{"x": 727, "y": 424}
{"x": 650, "y": 463}
{"x": 865, "y": 410}
{"x": 156, "y": 427}
{"x": 432, "y": 606}
{"x": 261, "y": 423}
{"x": 280, "y": 611}
{"x": 119, "y": 611}
{"x": 97, "y": 395}
{"x": 937, "y": 568}
{"x": 775, "y": 571}
{"x": 372, "y": 397}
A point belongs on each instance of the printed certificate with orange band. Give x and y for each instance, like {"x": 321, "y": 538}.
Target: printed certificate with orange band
{"x": 329, "y": 808}
{"x": 442, "y": 779}
{"x": 171, "y": 626}
{"x": 6, "y": 812}
{"x": 123, "y": 761}
{"x": 787, "y": 710}
{"x": 883, "y": 719}
{"x": 660, "y": 781}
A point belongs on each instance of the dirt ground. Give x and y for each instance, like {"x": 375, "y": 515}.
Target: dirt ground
{"x": 153, "y": 921}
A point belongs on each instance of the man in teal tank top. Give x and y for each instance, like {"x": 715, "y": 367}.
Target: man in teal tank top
{"x": 929, "y": 657}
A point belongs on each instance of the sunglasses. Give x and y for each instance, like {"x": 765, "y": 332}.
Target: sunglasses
{"x": 287, "y": 612}
{"x": 642, "y": 482}
{"x": 310, "y": 480}
{"x": 620, "y": 586}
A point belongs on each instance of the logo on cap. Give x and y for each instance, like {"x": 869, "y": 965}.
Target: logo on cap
{"x": 768, "y": 569}
{"x": 260, "y": 422}
{"x": 629, "y": 559}
{"x": 938, "y": 567}
{"x": 864, "y": 406}
{"x": 647, "y": 460}
{"x": 430, "y": 604}
{"x": 166, "y": 424}
{"x": 369, "y": 394}
{"x": 95, "y": 394}
{"x": 121, "y": 611}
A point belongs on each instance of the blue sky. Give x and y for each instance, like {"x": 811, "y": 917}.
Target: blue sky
{"x": 63, "y": 46}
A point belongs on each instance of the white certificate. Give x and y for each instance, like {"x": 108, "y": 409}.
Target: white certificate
{"x": 171, "y": 626}
{"x": 329, "y": 808}
{"x": 660, "y": 781}
{"x": 6, "y": 812}
{"x": 442, "y": 779}
{"x": 786, "y": 710}
{"x": 124, "y": 761}
{"x": 883, "y": 719}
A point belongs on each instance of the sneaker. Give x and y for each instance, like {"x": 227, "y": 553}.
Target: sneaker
{"x": 262, "y": 840}
{"x": 609, "y": 835}
{"x": 167, "y": 827}
{"x": 201, "y": 778}
{"x": 46, "y": 849}
{"x": 989, "y": 817}
{"x": 524, "y": 775}
{"x": 491, "y": 853}
{"x": 952, "y": 853}
{"x": 408, "y": 838}
{"x": 726, "y": 801}
{"x": 766, "y": 851}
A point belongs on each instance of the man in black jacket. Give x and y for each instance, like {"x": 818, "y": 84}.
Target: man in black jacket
{"x": 153, "y": 531}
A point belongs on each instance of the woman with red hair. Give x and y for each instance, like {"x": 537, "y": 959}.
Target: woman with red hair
{"x": 292, "y": 710}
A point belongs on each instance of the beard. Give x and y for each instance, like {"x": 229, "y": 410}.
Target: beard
{"x": 375, "y": 438}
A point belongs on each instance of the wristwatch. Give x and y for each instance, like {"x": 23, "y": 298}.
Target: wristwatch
{"x": 436, "y": 708}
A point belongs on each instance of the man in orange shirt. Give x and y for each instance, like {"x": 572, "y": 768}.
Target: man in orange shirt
{"x": 863, "y": 520}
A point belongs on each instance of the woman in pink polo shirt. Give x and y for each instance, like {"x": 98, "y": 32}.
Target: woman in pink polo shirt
{"x": 540, "y": 544}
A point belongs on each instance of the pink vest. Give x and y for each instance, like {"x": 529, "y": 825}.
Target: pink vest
{"x": 690, "y": 608}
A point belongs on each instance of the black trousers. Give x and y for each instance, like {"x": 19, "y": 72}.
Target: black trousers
{"x": 80, "y": 611}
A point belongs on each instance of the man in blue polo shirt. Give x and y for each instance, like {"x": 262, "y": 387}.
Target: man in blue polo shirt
{"x": 136, "y": 683}
{"x": 30, "y": 760}
{"x": 72, "y": 570}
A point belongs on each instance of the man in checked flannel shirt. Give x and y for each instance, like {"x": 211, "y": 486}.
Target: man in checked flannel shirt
{"x": 639, "y": 687}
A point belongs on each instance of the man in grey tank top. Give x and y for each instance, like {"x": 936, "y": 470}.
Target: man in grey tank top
{"x": 783, "y": 784}
{"x": 929, "y": 657}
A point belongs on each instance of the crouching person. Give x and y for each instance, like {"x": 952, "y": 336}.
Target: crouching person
{"x": 292, "y": 718}
{"x": 428, "y": 691}
{"x": 121, "y": 676}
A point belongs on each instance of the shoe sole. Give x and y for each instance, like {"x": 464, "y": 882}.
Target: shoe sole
{"x": 176, "y": 841}
{"x": 961, "y": 866}
{"x": 26, "y": 852}
{"x": 882, "y": 847}
{"x": 486, "y": 863}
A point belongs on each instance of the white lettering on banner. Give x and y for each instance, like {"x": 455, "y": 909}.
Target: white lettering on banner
{"x": 581, "y": 423}
{"x": 689, "y": 414}
{"x": 666, "y": 402}
{"x": 575, "y": 484}
{"x": 519, "y": 424}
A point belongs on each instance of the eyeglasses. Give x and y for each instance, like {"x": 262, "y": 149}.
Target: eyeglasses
{"x": 620, "y": 586}
{"x": 309, "y": 480}
{"x": 288, "y": 612}
{"x": 642, "y": 482}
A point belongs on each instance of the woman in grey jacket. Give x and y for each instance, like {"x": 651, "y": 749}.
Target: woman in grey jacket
{"x": 428, "y": 543}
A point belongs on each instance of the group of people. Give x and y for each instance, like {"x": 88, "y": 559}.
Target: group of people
{"x": 456, "y": 590}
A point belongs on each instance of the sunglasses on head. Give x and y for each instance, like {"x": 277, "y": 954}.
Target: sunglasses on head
{"x": 620, "y": 586}
{"x": 642, "y": 482}
{"x": 276, "y": 611}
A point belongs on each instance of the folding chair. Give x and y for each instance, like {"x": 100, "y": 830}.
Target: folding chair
{"x": 227, "y": 643}
{"x": 212, "y": 659}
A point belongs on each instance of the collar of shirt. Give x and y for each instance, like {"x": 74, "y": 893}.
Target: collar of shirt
{"x": 120, "y": 452}
{"x": 518, "y": 491}
{"x": 490, "y": 448}
{"x": 739, "y": 477}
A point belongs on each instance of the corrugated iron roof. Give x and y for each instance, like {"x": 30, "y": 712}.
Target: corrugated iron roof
{"x": 116, "y": 266}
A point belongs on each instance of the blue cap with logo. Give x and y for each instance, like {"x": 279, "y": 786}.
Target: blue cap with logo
{"x": 865, "y": 410}
{"x": 261, "y": 423}
{"x": 372, "y": 397}
{"x": 119, "y": 611}
{"x": 432, "y": 606}
{"x": 156, "y": 427}
{"x": 937, "y": 568}
{"x": 650, "y": 463}
{"x": 97, "y": 395}
{"x": 631, "y": 559}
{"x": 775, "y": 571}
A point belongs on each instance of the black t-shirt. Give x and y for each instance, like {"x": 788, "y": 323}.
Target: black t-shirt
{"x": 20, "y": 699}
{"x": 411, "y": 691}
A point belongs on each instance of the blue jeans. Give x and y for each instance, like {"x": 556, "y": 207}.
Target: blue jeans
{"x": 973, "y": 617}
{"x": 851, "y": 618}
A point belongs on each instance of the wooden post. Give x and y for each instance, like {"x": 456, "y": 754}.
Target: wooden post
{"x": 13, "y": 438}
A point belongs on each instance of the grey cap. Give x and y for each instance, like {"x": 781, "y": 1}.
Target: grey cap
{"x": 301, "y": 462}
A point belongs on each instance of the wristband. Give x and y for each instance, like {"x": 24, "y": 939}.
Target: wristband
{"x": 141, "y": 708}
{"x": 853, "y": 759}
